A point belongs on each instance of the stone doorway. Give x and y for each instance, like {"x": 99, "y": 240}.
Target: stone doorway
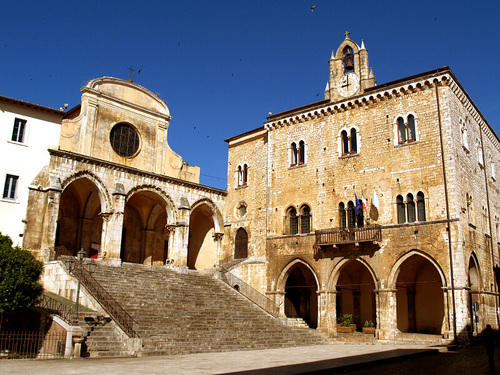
{"x": 356, "y": 293}
{"x": 143, "y": 237}
{"x": 419, "y": 297}
{"x": 474, "y": 294}
{"x": 79, "y": 224}
{"x": 301, "y": 299}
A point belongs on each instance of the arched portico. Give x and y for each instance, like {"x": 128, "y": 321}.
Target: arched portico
{"x": 299, "y": 286}
{"x": 79, "y": 224}
{"x": 144, "y": 239}
{"x": 420, "y": 302}
{"x": 354, "y": 285}
{"x": 205, "y": 223}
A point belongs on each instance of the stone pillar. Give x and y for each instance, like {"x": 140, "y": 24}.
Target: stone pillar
{"x": 181, "y": 240}
{"x": 387, "y": 316}
{"x": 217, "y": 236}
{"x": 50, "y": 219}
{"x": 112, "y": 237}
{"x": 328, "y": 311}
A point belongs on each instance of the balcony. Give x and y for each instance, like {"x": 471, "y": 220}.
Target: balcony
{"x": 346, "y": 236}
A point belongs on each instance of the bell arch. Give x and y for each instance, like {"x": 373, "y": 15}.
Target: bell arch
{"x": 299, "y": 283}
{"x": 419, "y": 282}
{"x": 354, "y": 282}
{"x": 79, "y": 224}
{"x": 147, "y": 212}
{"x": 205, "y": 223}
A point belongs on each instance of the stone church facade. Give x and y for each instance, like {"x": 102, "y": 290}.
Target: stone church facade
{"x": 116, "y": 189}
{"x": 380, "y": 201}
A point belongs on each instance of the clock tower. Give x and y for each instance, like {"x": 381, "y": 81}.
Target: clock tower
{"x": 350, "y": 73}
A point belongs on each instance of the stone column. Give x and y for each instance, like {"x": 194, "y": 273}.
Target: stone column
{"x": 169, "y": 235}
{"x": 387, "y": 316}
{"x": 50, "y": 219}
{"x": 327, "y": 311}
{"x": 217, "y": 236}
{"x": 113, "y": 236}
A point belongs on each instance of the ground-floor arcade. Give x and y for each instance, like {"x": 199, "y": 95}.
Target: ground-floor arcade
{"x": 140, "y": 218}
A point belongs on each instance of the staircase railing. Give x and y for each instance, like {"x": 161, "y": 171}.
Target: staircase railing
{"x": 108, "y": 303}
{"x": 252, "y": 294}
{"x": 55, "y": 307}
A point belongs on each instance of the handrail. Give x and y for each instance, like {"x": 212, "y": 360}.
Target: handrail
{"x": 252, "y": 294}
{"x": 55, "y": 307}
{"x": 108, "y": 303}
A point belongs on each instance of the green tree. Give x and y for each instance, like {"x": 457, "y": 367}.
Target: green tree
{"x": 19, "y": 277}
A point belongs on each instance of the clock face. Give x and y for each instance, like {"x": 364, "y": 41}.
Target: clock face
{"x": 348, "y": 84}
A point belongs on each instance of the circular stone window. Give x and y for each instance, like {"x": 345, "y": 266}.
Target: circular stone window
{"x": 124, "y": 140}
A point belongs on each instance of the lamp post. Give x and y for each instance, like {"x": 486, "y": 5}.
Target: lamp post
{"x": 78, "y": 263}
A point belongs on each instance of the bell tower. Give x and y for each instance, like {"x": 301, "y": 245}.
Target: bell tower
{"x": 350, "y": 73}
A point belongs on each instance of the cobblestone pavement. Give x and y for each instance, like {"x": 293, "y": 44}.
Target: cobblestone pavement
{"x": 324, "y": 359}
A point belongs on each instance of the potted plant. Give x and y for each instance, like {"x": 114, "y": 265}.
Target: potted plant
{"x": 369, "y": 327}
{"x": 345, "y": 324}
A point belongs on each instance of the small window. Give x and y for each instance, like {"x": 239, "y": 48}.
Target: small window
{"x": 351, "y": 214}
{"x": 302, "y": 152}
{"x": 342, "y": 215}
{"x": 240, "y": 175}
{"x": 400, "y": 209}
{"x": 407, "y": 131}
{"x": 354, "y": 143}
{"x": 305, "y": 219}
{"x": 295, "y": 158}
{"x": 18, "y": 130}
{"x": 345, "y": 143}
{"x": 293, "y": 221}
{"x": 479, "y": 149}
{"x": 411, "y": 129}
{"x": 410, "y": 208}
{"x": 463, "y": 129}
{"x": 421, "y": 206}
{"x": 241, "y": 244}
{"x": 9, "y": 190}
{"x": 492, "y": 166}
{"x": 401, "y": 130}
{"x": 349, "y": 142}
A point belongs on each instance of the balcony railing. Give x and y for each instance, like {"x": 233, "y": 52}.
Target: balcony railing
{"x": 343, "y": 236}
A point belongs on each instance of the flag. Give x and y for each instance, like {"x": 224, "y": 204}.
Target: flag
{"x": 363, "y": 201}
{"x": 358, "y": 204}
{"x": 375, "y": 201}
{"x": 374, "y": 207}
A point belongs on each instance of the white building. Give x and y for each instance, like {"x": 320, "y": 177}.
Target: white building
{"x": 26, "y": 132}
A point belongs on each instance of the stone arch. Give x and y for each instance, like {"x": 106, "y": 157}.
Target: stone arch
{"x": 79, "y": 223}
{"x": 354, "y": 283}
{"x": 147, "y": 211}
{"x": 106, "y": 202}
{"x": 299, "y": 283}
{"x": 419, "y": 284}
{"x": 205, "y": 224}
{"x": 216, "y": 214}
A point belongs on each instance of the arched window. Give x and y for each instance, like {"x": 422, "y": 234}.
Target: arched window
{"x": 407, "y": 131}
{"x": 245, "y": 174}
{"x": 354, "y": 143}
{"x": 463, "y": 129}
{"x": 410, "y": 207}
{"x": 241, "y": 244}
{"x": 470, "y": 213}
{"x": 305, "y": 219}
{"x": 345, "y": 143}
{"x": 492, "y": 166}
{"x": 401, "y": 130}
{"x": 421, "y": 206}
{"x": 293, "y": 221}
{"x": 302, "y": 152}
{"x": 400, "y": 209}
{"x": 360, "y": 218}
{"x": 342, "y": 215}
{"x": 295, "y": 158}
{"x": 479, "y": 149}
{"x": 351, "y": 215}
{"x": 240, "y": 176}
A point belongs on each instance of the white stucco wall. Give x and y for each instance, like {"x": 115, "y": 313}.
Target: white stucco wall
{"x": 24, "y": 159}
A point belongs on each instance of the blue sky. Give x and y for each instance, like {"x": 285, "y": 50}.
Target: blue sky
{"x": 222, "y": 66}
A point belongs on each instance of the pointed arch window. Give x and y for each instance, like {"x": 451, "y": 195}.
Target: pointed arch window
{"x": 410, "y": 207}
{"x": 492, "y": 166}
{"x": 400, "y": 209}
{"x": 342, "y": 215}
{"x": 295, "y": 156}
{"x": 302, "y": 152}
{"x": 464, "y": 137}
{"x": 241, "y": 244}
{"x": 242, "y": 175}
{"x": 305, "y": 219}
{"x": 421, "y": 206}
{"x": 351, "y": 214}
{"x": 293, "y": 221}
{"x": 479, "y": 150}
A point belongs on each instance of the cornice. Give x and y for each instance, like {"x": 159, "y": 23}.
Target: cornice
{"x": 374, "y": 95}
{"x": 134, "y": 171}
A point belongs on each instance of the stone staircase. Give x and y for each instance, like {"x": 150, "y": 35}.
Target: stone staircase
{"x": 181, "y": 313}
